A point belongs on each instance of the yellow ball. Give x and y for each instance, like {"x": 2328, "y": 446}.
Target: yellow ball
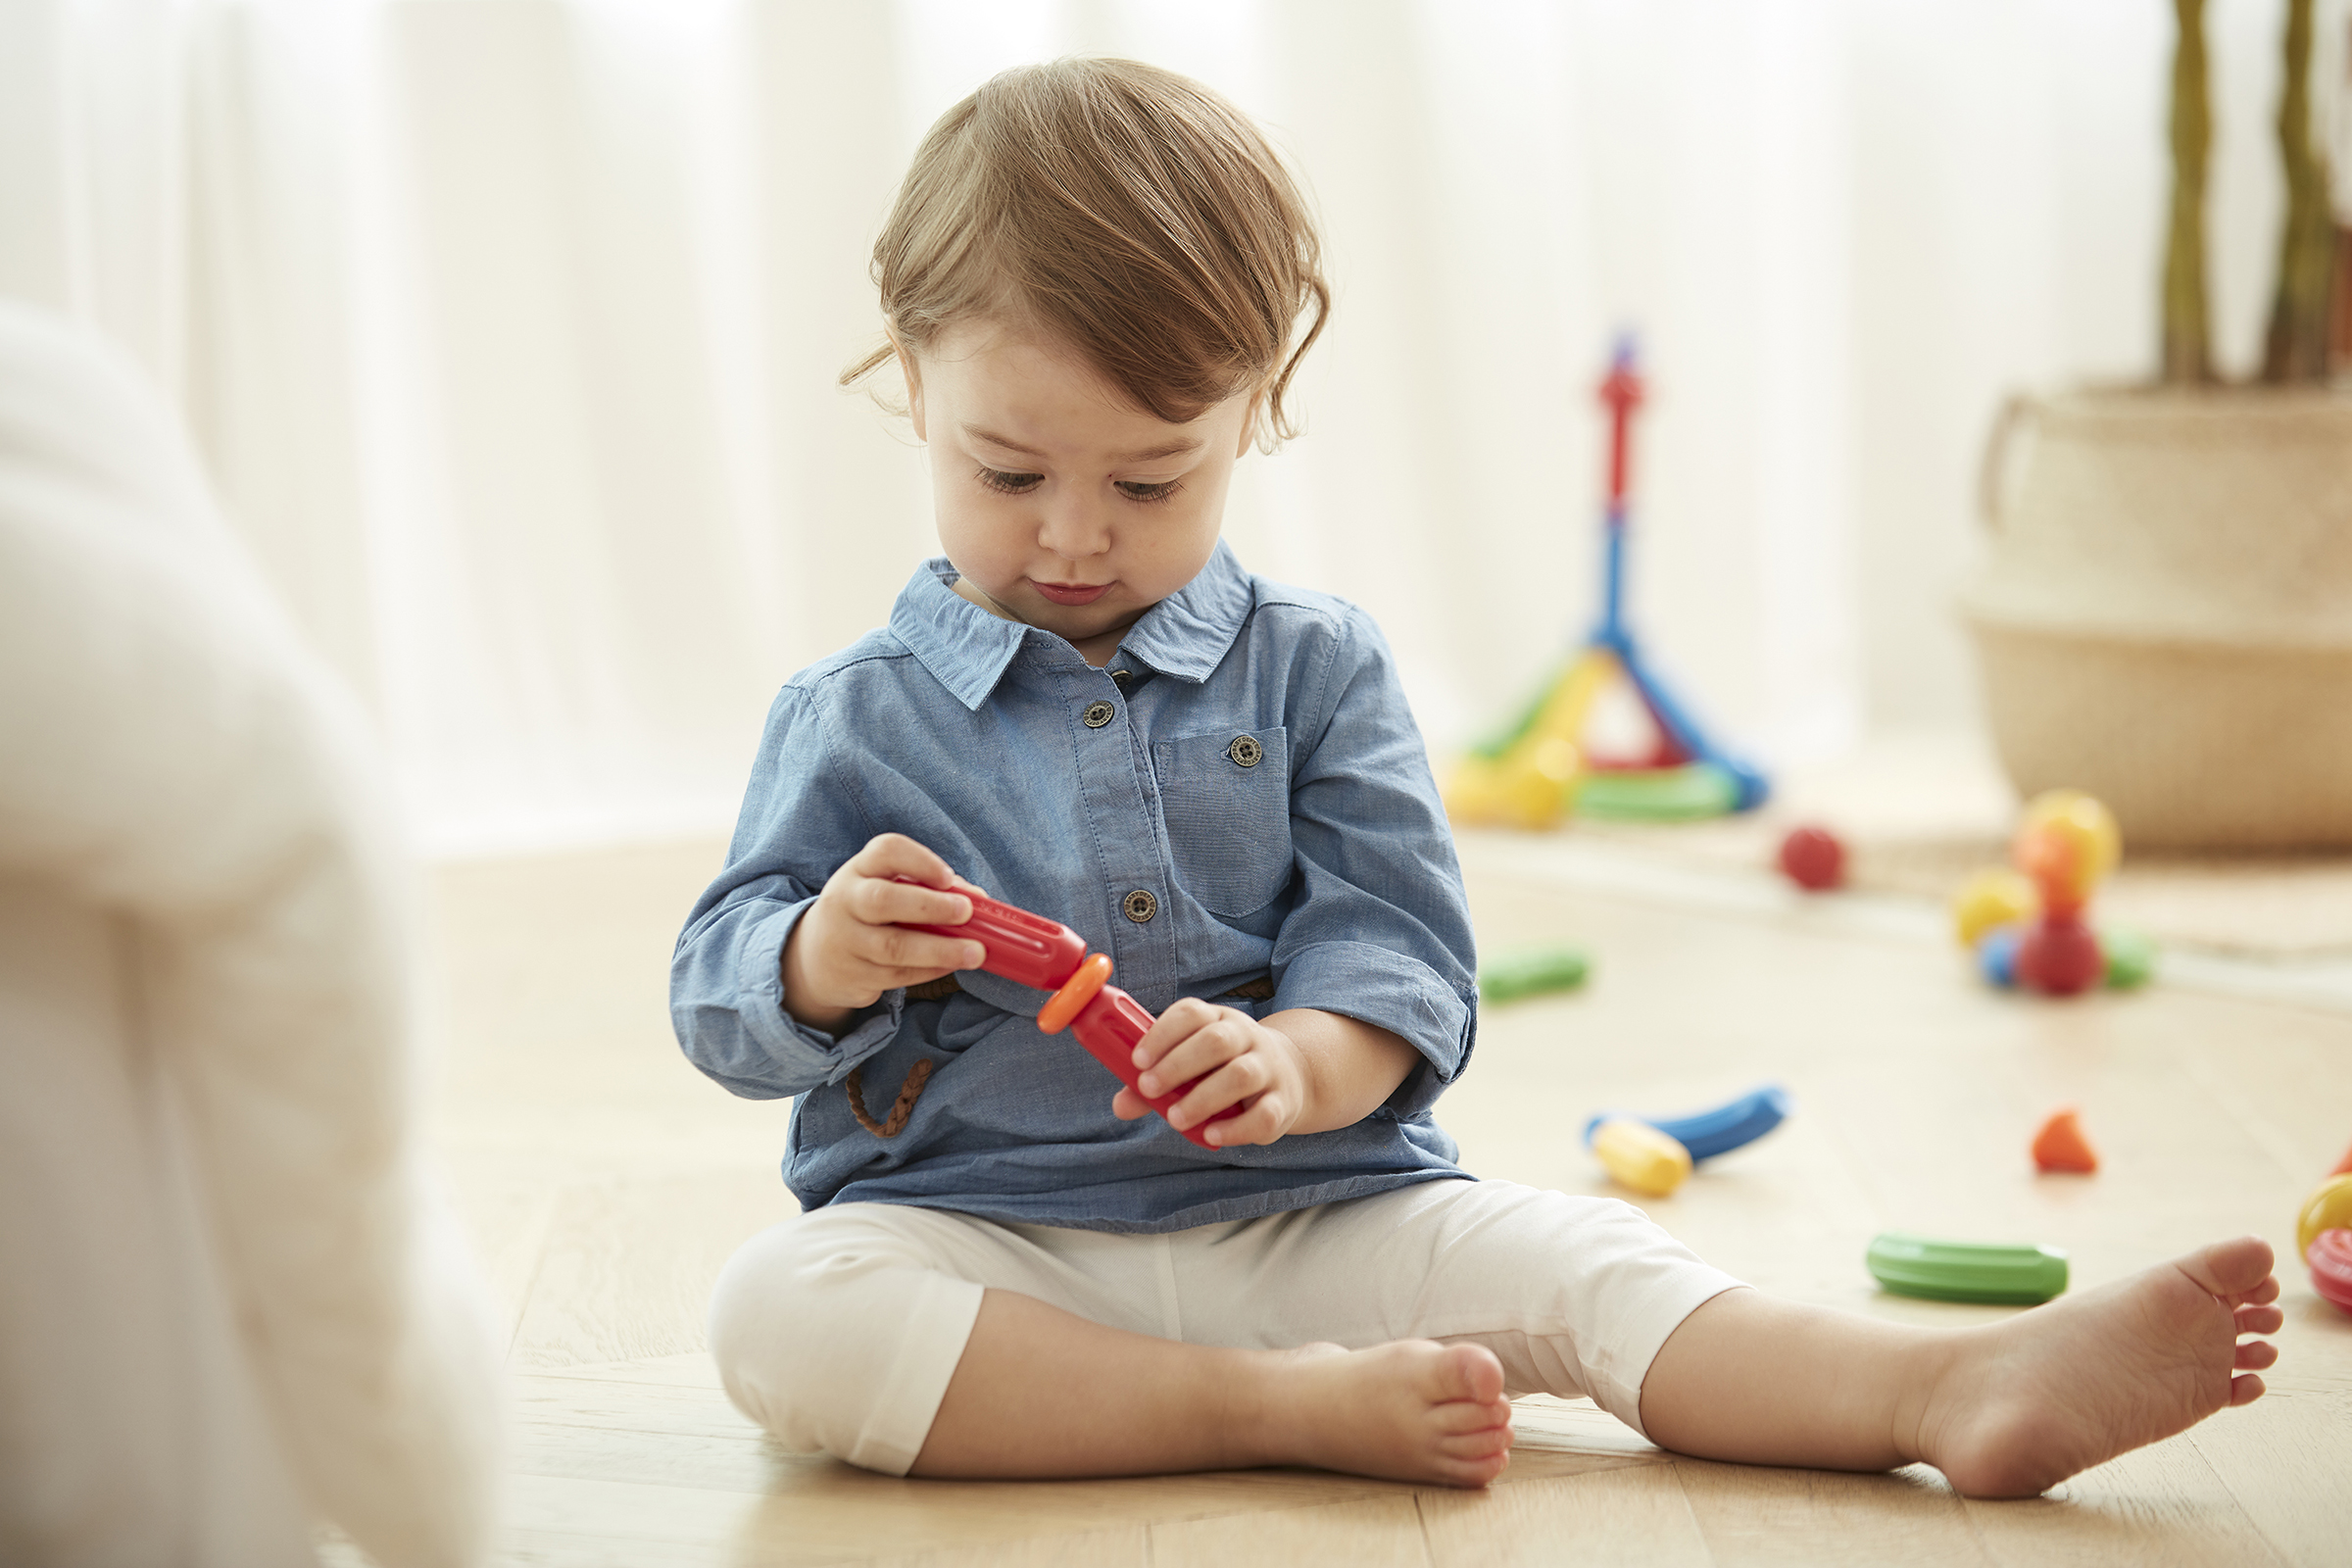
{"x": 1990, "y": 898}
{"x": 2084, "y": 823}
{"x": 2327, "y": 1209}
{"x": 1640, "y": 1157}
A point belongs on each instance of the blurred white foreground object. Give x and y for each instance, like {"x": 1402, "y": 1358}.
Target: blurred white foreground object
{"x": 228, "y": 1308}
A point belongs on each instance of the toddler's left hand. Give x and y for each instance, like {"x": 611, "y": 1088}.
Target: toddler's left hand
{"x": 1244, "y": 1061}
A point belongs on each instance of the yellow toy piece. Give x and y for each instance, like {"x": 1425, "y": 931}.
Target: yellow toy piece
{"x": 1640, "y": 1157}
{"x": 2084, "y": 825}
{"x": 1531, "y": 781}
{"x": 2327, "y": 1209}
{"x": 1530, "y": 787}
{"x": 1993, "y": 899}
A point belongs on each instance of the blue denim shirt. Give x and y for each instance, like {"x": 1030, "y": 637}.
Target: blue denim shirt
{"x": 1326, "y": 864}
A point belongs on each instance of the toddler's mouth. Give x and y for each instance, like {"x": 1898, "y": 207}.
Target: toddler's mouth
{"x": 1071, "y": 593}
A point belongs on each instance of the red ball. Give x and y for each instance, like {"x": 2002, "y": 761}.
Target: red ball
{"x": 2060, "y": 956}
{"x": 1813, "y": 859}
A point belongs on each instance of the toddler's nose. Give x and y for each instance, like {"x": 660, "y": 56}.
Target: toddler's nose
{"x": 1074, "y": 527}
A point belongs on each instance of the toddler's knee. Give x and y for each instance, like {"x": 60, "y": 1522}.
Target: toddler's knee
{"x": 768, "y": 1329}
{"x": 812, "y": 1324}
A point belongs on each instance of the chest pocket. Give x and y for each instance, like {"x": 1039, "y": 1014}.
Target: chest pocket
{"x": 1226, "y": 796}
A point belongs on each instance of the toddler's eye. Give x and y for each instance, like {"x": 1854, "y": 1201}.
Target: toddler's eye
{"x": 1135, "y": 490}
{"x": 1011, "y": 484}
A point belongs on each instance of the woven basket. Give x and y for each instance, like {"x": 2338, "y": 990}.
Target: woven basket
{"x": 2165, "y": 616}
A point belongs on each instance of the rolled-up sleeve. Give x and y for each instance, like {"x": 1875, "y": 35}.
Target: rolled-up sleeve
{"x": 800, "y": 820}
{"x": 1381, "y": 927}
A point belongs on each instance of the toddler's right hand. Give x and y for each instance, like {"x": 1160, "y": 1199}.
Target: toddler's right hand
{"x": 851, "y": 944}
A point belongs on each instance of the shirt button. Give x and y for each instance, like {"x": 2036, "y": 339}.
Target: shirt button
{"x": 1245, "y": 751}
{"x": 1139, "y": 906}
{"x": 1122, "y": 676}
{"x": 1099, "y": 713}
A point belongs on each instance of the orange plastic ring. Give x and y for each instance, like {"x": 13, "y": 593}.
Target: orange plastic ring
{"x": 1075, "y": 993}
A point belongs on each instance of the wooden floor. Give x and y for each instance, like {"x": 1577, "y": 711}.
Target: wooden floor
{"x": 606, "y": 1182}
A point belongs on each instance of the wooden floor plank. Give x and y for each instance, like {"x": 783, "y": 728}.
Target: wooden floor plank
{"x": 554, "y": 1520}
{"x": 1383, "y": 1532}
{"x": 1128, "y": 1546}
{"x": 1754, "y": 1517}
{"x": 1634, "y": 1514}
{"x": 824, "y": 1507}
{"x": 628, "y": 1264}
{"x": 2283, "y": 1460}
{"x": 2162, "y": 1506}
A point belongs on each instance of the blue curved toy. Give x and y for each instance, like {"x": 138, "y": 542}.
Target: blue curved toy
{"x": 1996, "y": 954}
{"x": 1708, "y": 1133}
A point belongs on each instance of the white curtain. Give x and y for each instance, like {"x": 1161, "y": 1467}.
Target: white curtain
{"x": 510, "y": 328}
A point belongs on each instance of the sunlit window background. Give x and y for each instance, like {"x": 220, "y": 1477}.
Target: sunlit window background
{"x": 509, "y": 328}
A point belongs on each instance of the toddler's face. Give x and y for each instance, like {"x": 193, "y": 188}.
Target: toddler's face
{"x": 1061, "y": 504}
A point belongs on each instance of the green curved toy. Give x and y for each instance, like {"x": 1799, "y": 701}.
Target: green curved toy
{"x": 1685, "y": 794}
{"x": 1532, "y": 974}
{"x": 1966, "y": 1271}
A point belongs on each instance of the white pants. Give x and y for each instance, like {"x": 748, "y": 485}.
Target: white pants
{"x": 838, "y": 1331}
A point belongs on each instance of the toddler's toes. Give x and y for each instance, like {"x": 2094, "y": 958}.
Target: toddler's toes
{"x": 1474, "y": 1444}
{"x": 2259, "y": 1319}
{"x": 2235, "y": 1269}
{"x": 2255, "y": 1355}
{"x": 1470, "y": 1372}
{"x": 1461, "y": 1415}
{"x": 2245, "y": 1389}
{"x": 1476, "y": 1472}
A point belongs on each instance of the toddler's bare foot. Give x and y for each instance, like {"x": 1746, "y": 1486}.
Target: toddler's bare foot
{"x": 2023, "y": 1405}
{"x": 1409, "y": 1410}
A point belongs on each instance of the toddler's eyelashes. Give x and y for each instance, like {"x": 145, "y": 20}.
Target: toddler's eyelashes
{"x": 1011, "y": 484}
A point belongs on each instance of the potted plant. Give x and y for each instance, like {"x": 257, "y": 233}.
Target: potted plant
{"x": 2165, "y": 615}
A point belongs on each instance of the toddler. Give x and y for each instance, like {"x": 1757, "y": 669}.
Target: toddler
{"x": 1099, "y": 280}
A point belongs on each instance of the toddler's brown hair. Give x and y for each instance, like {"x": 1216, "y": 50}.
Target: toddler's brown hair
{"x": 1121, "y": 210}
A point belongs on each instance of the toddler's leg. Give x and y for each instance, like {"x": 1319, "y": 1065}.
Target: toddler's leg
{"x": 1584, "y": 1295}
{"x": 903, "y": 1339}
{"x": 2004, "y": 1410}
{"x": 838, "y": 1330}
{"x": 1043, "y": 1393}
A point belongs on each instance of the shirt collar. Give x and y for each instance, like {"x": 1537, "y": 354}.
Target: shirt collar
{"x": 967, "y": 650}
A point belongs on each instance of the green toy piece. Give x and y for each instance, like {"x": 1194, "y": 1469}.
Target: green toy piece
{"x": 2131, "y": 958}
{"x": 1532, "y": 974}
{"x": 1683, "y": 794}
{"x": 1966, "y": 1271}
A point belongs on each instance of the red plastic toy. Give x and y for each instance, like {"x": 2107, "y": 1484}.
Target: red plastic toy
{"x": 2331, "y": 1260}
{"x": 1813, "y": 859}
{"x": 2060, "y": 1146}
{"x": 1033, "y": 951}
{"x": 2060, "y": 956}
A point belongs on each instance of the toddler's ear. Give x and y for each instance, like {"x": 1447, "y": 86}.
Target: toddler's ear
{"x": 1250, "y": 419}
{"x": 911, "y": 369}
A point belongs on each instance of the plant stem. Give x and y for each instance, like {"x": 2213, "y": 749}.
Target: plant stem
{"x": 2187, "y": 351}
{"x": 2297, "y": 345}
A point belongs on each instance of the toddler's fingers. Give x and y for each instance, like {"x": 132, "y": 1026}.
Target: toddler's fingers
{"x": 888, "y": 854}
{"x": 1185, "y": 1017}
{"x": 1229, "y": 1085}
{"x": 877, "y": 902}
{"x": 1197, "y": 1055}
{"x": 896, "y": 950}
{"x": 1127, "y": 1105}
{"x": 1263, "y": 1122}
